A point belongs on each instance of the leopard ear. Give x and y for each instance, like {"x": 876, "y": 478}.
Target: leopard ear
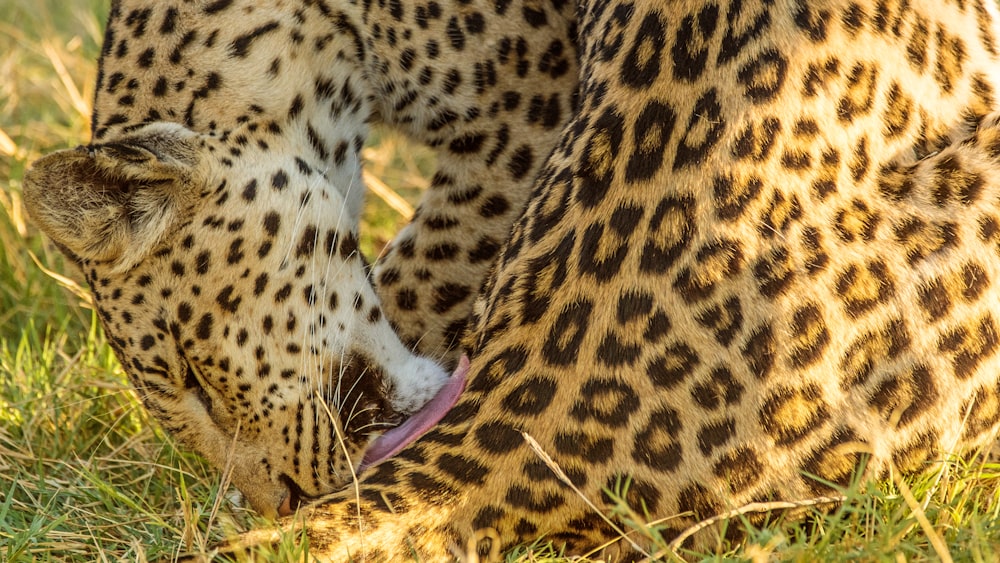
{"x": 114, "y": 202}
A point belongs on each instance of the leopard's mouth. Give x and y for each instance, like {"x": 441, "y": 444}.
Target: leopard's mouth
{"x": 394, "y": 440}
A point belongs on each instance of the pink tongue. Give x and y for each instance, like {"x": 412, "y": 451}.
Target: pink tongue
{"x": 390, "y": 443}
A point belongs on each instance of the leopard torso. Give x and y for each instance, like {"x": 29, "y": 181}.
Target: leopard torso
{"x": 764, "y": 250}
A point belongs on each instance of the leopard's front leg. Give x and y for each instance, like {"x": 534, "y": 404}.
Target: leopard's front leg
{"x": 490, "y": 89}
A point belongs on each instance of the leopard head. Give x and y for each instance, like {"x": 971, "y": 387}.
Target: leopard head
{"x": 233, "y": 293}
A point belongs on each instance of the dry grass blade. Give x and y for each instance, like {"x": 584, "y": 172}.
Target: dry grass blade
{"x": 940, "y": 548}
{"x": 15, "y": 210}
{"x": 551, "y": 463}
{"x": 79, "y": 103}
{"x": 355, "y": 484}
{"x": 64, "y": 281}
{"x": 226, "y": 479}
{"x": 747, "y": 509}
{"x": 7, "y": 145}
{"x": 388, "y": 195}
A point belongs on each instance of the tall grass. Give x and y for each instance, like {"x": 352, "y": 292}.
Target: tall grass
{"x": 85, "y": 475}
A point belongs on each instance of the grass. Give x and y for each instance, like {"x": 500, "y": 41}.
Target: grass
{"x": 944, "y": 515}
{"x": 86, "y": 475}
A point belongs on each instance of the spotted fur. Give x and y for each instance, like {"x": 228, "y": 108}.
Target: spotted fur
{"x": 764, "y": 251}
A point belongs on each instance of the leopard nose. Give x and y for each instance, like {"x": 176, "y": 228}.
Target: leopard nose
{"x": 286, "y": 506}
{"x": 291, "y": 502}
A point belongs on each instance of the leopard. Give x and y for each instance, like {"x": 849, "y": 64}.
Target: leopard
{"x": 215, "y": 214}
{"x": 760, "y": 258}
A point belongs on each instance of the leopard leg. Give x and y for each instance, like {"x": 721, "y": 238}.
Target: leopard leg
{"x": 491, "y": 95}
